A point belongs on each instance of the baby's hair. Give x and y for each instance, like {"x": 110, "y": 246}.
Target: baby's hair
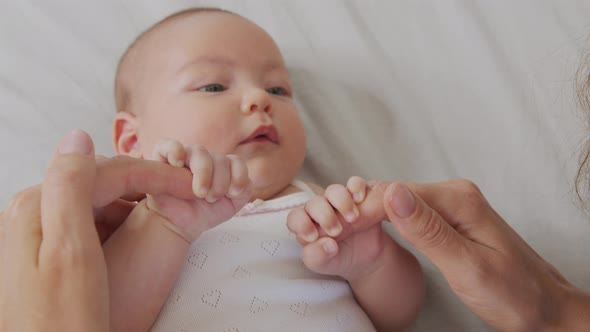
{"x": 583, "y": 98}
{"x": 127, "y": 67}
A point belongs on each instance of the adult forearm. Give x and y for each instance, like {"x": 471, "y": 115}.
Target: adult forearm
{"x": 393, "y": 293}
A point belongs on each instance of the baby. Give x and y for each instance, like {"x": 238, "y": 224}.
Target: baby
{"x": 208, "y": 90}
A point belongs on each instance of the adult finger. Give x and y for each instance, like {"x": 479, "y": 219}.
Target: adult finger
{"x": 67, "y": 194}
{"x": 124, "y": 176}
{"x": 461, "y": 204}
{"x": 21, "y": 227}
{"x": 425, "y": 229}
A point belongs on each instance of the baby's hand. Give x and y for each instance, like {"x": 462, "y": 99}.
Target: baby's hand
{"x": 221, "y": 184}
{"x": 341, "y": 230}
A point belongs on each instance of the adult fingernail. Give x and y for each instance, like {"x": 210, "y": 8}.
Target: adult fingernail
{"x": 76, "y": 142}
{"x": 402, "y": 201}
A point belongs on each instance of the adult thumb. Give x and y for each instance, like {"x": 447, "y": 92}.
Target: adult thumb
{"x": 423, "y": 227}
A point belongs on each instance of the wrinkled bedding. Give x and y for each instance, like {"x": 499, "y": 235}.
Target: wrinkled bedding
{"x": 412, "y": 90}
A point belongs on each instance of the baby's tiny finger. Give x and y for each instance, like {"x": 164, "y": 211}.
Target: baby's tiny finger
{"x": 320, "y": 211}
{"x": 339, "y": 197}
{"x": 357, "y": 187}
{"x": 221, "y": 178}
{"x": 299, "y": 223}
{"x": 201, "y": 165}
{"x": 317, "y": 256}
{"x": 239, "y": 176}
{"x": 169, "y": 151}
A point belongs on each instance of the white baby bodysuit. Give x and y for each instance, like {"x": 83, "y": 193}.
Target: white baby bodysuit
{"x": 247, "y": 275}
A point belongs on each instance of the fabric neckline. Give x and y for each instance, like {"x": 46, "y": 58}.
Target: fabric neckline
{"x": 281, "y": 203}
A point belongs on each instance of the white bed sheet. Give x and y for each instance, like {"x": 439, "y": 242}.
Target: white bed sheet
{"x": 413, "y": 90}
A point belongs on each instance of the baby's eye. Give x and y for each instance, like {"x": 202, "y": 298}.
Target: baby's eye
{"x": 215, "y": 87}
{"x": 277, "y": 90}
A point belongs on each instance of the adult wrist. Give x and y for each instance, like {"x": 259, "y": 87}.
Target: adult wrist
{"x": 573, "y": 311}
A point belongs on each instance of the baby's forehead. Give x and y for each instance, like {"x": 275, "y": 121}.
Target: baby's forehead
{"x": 210, "y": 39}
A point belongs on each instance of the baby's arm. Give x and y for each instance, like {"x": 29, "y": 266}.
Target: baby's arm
{"x": 342, "y": 235}
{"x": 392, "y": 292}
{"x": 145, "y": 255}
{"x": 143, "y": 259}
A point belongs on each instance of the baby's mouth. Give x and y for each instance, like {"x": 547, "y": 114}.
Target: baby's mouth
{"x": 263, "y": 134}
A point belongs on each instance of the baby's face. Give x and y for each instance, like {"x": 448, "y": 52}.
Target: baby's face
{"x": 218, "y": 80}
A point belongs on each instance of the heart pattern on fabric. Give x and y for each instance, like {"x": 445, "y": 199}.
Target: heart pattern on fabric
{"x": 197, "y": 259}
{"x": 270, "y": 246}
{"x": 212, "y": 298}
{"x": 229, "y": 238}
{"x": 343, "y": 318}
{"x": 241, "y": 273}
{"x": 299, "y": 308}
{"x": 257, "y": 305}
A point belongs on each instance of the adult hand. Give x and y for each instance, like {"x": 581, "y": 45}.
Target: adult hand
{"x": 486, "y": 263}
{"x": 53, "y": 274}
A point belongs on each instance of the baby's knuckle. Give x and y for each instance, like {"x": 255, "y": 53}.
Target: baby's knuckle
{"x": 333, "y": 190}
{"x": 316, "y": 202}
{"x": 357, "y": 180}
{"x": 325, "y": 216}
{"x": 198, "y": 150}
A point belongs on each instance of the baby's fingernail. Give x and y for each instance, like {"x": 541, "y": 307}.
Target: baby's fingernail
{"x": 200, "y": 193}
{"x": 235, "y": 192}
{"x": 336, "y": 230}
{"x": 199, "y": 190}
{"x": 310, "y": 237}
{"x": 76, "y": 142}
{"x": 330, "y": 247}
{"x": 351, "y": 216}
{"x": 210, "y": 199}
{"x": 179, "y": 163}
{"x": 358, "y": 197}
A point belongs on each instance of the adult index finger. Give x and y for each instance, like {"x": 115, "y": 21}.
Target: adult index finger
{"x": 125, "y": 176}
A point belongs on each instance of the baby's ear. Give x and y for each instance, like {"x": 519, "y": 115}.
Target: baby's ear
{"x": 125, "y": 135}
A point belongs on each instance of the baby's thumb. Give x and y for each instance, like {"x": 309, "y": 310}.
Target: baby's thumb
{"x": 319, "y": 256}
{"x": 423, "y": 227}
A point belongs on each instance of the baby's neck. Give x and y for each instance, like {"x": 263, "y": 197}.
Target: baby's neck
{"x": 290, "y": 189}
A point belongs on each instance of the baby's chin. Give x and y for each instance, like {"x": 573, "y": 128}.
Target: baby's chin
{"x": 266, "y": 188}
